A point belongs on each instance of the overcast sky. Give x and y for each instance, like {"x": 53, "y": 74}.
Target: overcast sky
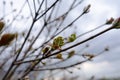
{"x": 106, "y": 65}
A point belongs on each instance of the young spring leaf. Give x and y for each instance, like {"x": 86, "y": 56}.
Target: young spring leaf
{"x": 71, "y": 53}
{"x": 43, "y": 63}
{"x": 6, "y": 39}
{"x": 58, "y": 42}
{"x": 72, "y": 38}
{"x": 59, "y": 56}
{"x": 45, "y": 50}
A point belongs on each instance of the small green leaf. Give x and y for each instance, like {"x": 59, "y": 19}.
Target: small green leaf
{"x": 43, "y": 63}
{"x": 59, "y": 56}
{"x": 71, "y": 53}
{"x": 72, "y": 38}
{"x": 45, "y": 50}
{"x": 58, "y": 42}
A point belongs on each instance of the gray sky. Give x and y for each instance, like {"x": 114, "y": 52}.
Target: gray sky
{"x": 106, "y": 65}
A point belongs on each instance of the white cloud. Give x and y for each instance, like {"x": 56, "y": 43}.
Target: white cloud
{"x": 95, "y": 68}
{"x": 101, "y": 69}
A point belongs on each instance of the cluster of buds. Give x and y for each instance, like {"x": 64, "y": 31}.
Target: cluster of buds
{"x": 116, "y": 23}
{"x": 110, "y": 21}
{"x": 87, "y": 9}
{"x": 88, "y": 56}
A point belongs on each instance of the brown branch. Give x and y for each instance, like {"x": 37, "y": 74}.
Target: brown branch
{"x": 64, "y": 67}
{"x": 79, "y": 43}
{"x": 48, "y": 9}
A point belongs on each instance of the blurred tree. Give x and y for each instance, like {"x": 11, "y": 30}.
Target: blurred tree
{"x": 38, "y": 38}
